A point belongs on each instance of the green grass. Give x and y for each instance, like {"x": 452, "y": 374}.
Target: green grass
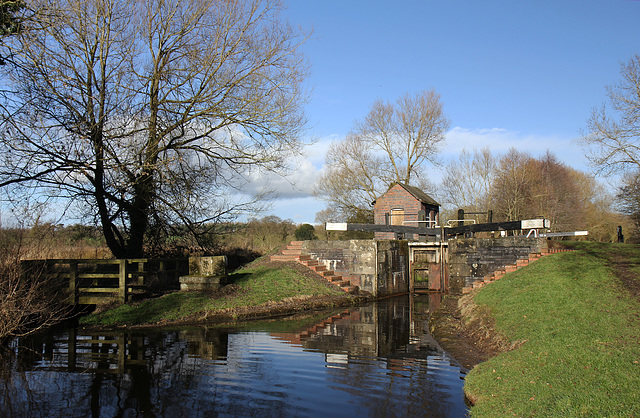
{"x": 258, "y": 286}
{"x": 581, "y": 333}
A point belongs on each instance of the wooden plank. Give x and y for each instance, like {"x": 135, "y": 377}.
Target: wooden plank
{"x": 449, "y": 232}
{"x": 496, "y": 226}
{"x": 98, "y": 276}
{"x": 82, "y": 341}
{"x": 113, "y": 290}
{"x": 382, "y": 228}
{"x": 73, "y": 283}
{"x": 80, "y": 261}
{"x": 123, "y": 281}
{"x": 565, "y": 234}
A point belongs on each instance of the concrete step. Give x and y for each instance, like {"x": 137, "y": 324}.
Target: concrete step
{"x": 292, "y": 252}
{"x": 281, "y": 257}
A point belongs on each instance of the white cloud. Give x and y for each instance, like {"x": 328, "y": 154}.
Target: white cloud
{"x": 295, "y": 202}
{"x": 499, "y": 140}
{"x": 305, "y": 171}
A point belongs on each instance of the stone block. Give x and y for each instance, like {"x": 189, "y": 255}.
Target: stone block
{"x": 208, "y": 266}
{"x": 205, "y": 274}
{"x": 201, "y": 283}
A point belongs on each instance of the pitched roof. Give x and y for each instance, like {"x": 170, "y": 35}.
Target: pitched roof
{"x": 419, "y": 194}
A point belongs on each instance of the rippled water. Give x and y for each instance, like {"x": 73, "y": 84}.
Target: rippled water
{"x": 373, "y": 360}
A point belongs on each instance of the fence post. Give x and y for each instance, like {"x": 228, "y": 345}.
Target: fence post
{"x": 122, "y": 284}
{"x": 73, "y": 282}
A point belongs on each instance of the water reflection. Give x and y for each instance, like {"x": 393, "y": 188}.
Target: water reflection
{"x": 377, "y": 359}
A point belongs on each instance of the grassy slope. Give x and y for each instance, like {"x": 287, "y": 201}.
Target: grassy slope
{"x": 257, "y": 286}
{"x": 581, "y": 333}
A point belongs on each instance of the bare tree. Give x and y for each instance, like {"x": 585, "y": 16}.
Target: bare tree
{"x": 148, "y": 114}
{"x": 29, "y": 299}
{"x": 468, "y": 182}
{"x": 512, "y": 185}
{"x": 612, "y": 141}
{"x": 393, "y": 143}
{"x": 629, "y": 197}
{"x": 351, "y": 181}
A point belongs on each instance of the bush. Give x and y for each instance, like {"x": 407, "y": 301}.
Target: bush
{"x": 29, "y": 299}
{"x": 305, "y": 232}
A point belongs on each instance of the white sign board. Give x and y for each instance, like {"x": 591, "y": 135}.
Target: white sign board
{"x": 335, "y": 226}
{"x": 535, "y": 224}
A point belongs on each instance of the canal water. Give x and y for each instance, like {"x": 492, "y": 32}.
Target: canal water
{"x": 372, "y": 360}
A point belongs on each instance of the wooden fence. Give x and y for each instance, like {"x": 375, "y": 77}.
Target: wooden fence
{"x": 105, "y": 281}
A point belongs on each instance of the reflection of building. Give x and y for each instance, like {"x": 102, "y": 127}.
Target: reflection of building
{"x": 379, "y": 329}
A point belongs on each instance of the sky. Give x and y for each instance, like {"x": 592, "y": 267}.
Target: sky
{"x": 523, "y": 74}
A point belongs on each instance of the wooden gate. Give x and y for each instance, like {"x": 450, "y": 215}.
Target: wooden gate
{"x": 106, "y": 281}
{"x": 428, "y": 272}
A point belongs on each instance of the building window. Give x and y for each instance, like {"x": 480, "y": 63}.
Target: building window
{"x": 397, "y": 216}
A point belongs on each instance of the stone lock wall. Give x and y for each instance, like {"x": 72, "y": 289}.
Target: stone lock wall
{"x": 393, "y": 267}
{"x": 378, "y": 267}
{"x": 472, "y": 259}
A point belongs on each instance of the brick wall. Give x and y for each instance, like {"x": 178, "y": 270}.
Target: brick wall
{"x": 396, "y": 198}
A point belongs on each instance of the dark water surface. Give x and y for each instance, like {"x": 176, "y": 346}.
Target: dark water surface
{"x": 373, "y": 360}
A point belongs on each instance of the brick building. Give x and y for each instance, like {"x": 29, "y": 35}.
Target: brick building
{"x": 404, "y": 205}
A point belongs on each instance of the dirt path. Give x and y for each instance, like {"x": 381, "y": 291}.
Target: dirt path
{"x": 624, "y": 269}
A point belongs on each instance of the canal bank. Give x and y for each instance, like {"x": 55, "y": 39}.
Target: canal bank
{"x": 560, "y": 337}
{"x": 261, "y": 290}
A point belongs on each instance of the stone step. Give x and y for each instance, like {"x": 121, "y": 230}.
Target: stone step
{"x": 349, "y": 289}
{"x": 292, "y": 252}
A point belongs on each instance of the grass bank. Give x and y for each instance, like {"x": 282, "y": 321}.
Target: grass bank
{"x": 575, "y": 320}
{"x": 255, "y": 292}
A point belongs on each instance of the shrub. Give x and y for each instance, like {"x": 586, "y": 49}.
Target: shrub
{"x": 305, "y": 232}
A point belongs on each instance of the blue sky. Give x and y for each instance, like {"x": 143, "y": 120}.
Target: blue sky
{"x": 510, "y": 73}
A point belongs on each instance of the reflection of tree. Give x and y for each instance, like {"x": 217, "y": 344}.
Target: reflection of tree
{"x": 377, "y": 369}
